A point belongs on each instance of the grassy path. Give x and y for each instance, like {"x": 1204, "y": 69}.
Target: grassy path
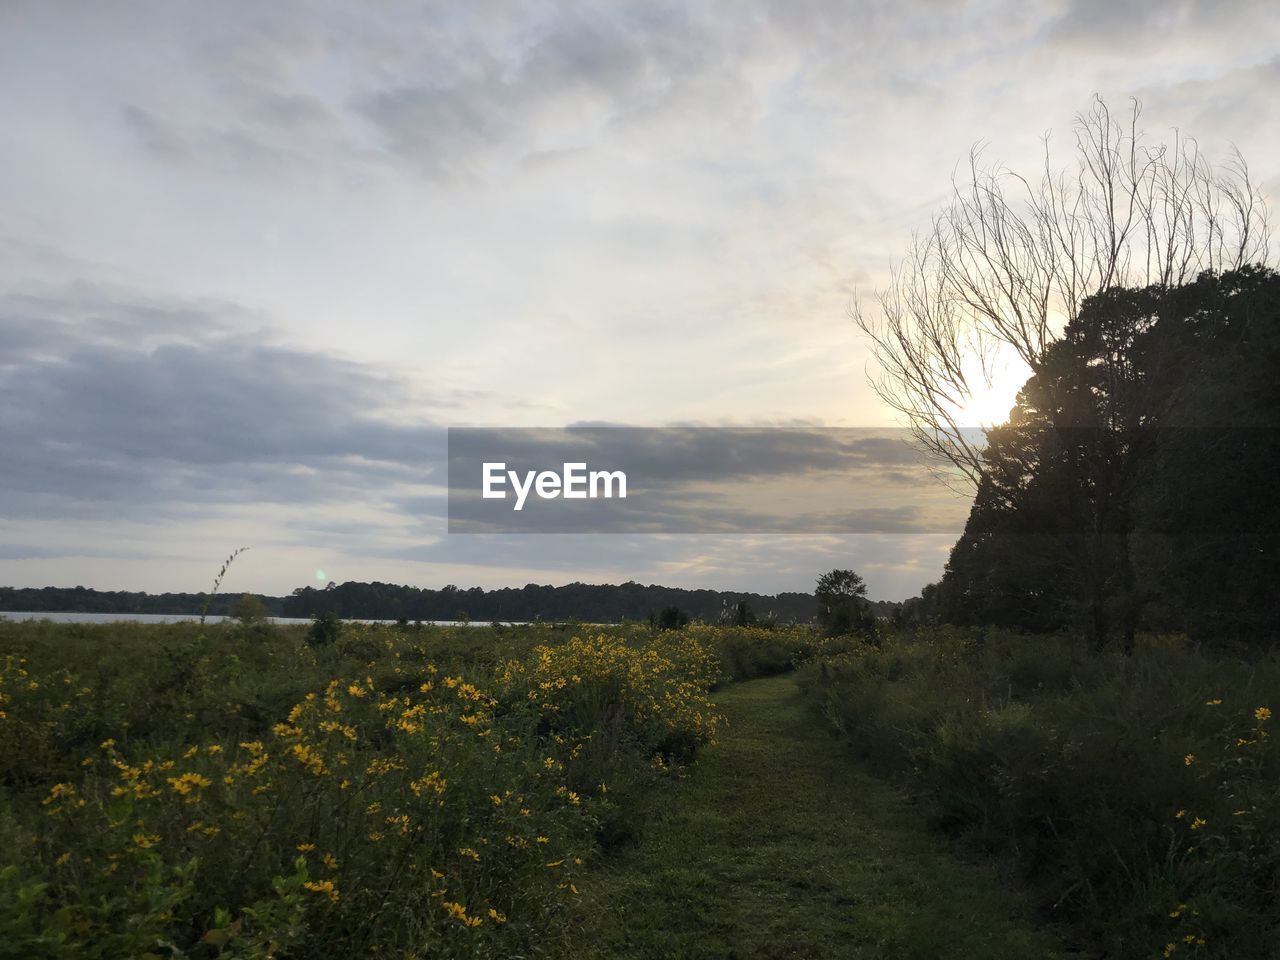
{"x": 776, "y": 846}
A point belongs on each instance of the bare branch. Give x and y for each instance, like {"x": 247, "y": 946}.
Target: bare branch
{"x": 1009, "y": 259}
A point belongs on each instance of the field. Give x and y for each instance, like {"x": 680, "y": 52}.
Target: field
{"x": 250, "y": 791}
{"x": 255, "y": 791}
{"x": 1135, "y": 798}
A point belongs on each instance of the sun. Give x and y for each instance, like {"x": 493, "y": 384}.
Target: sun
{"x": 992, "y": 394}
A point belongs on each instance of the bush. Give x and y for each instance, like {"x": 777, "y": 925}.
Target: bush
{"x": 430, "y": 793}
{"x": 1137, "y": 795}
{"x": 325, "y": 628}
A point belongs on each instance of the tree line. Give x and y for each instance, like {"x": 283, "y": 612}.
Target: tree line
{"x": 595, "y": 603}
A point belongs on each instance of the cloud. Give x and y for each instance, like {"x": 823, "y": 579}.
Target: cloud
{"x": 151, "y": 404}
{"x": 708, "y": 479}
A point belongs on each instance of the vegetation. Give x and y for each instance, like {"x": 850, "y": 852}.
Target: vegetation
{"x": 843, "y": 608}
{"x": 583, "y": 602}
{"x": 1129, "y": 487}
{"x": 244, "y": 791}
{"x": 774, "y": 846}
{"x": 1137, "y": 796}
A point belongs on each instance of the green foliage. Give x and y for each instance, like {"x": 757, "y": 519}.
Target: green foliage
{"x": 843, "y": 609}
{"x": 672, "y": 618}
{"x": 325, "y": 629}
{"x": 177, "y": 790}
{"x": 249, "y": 610}
{"x": 1130, "y": 486}
{"x": 1137, "y": 795}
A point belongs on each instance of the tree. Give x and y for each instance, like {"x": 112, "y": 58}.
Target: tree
{"x": 249, "y": 610}
{"x": 1011, "y": 258}
{"x": 1132, "y": 480}
{"x": 672, "y": 618}
{"x": 843, "y": 607}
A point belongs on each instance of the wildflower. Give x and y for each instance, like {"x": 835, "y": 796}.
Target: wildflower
{"x": 1189, "y": 759}
{"x": 323, "y": 886}
{"x": 1197, "y": 823}
{"x": 459, "y": 913}
{"x": 306, "y": 847}
{"x": 497, "y": 917}
{"x": 185, "y": 783}
{"x": 107, "y": 744}
{"x": 143, "y": 841}
{"x": 62, "y": 859}
{"x": 1180, "y": 814}
{"x": 59, "y": 791}
{"x": 1216, "y": 701}
{"x": 1262, "y": 713}
{"x": 330, "y": 861}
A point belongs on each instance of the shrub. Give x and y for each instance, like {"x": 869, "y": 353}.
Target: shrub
{"x": 1137, "y": 795}
{"x": 325, "y": 628}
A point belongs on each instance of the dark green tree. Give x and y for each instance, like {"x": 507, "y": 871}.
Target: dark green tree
{"x": 843, "y": 607}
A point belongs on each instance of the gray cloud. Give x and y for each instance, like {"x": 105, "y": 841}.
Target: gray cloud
{"x": 158, "y": 404}
{"x": 708, "y": 479}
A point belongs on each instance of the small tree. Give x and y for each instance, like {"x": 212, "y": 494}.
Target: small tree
{"x": 249, "y": 610}
{"x": 843, "y": 607}
{"x": 324, "y": 630}
{"x": 672, "y": 618}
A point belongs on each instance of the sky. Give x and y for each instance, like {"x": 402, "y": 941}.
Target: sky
{"x": 255, "y": 259}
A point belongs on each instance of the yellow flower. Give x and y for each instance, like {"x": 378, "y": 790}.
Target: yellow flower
{"x": 59, "y": 791}
{"x": 1197, "y": 823}
{"x": 306, "y": 847}
{"x": 497, "y": 917}
{"x": 459, "y": 913}
{"x": 185, "y": 783}
{"x": 143, "y": 841}
{"x": 323, "y": 886}
{"x": 1262, "y": 713}
{"x": 1214, "y": 702}
{"x": 1189, "y": 759}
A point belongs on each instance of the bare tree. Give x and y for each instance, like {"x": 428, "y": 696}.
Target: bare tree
{"x": 1010, "y": 259}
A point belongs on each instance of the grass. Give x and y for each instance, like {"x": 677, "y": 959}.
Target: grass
{"x": 1133, "y": 797}
{"x": 775, "y": 846}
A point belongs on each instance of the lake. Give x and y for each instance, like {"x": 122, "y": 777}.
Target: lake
{"x": 181, "y": 618}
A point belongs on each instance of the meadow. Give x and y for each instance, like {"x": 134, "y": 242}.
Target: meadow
{"x": 243, "y": 790}
{"x": 252, "y": 791}
{"x": 1136, "y": 797}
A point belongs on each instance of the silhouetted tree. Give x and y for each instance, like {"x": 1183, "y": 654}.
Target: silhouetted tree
{"x": 842, "y": 603}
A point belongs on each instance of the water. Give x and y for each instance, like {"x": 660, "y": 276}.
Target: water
{"x": 180, "y": 618}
